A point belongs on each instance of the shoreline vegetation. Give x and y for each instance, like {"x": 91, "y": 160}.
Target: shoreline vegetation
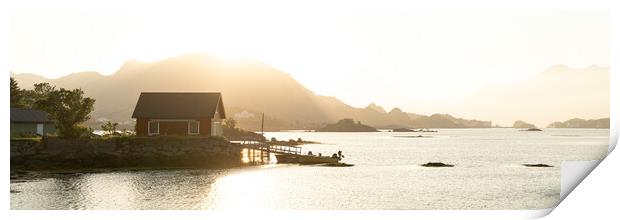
{"x": 238, "y": 134}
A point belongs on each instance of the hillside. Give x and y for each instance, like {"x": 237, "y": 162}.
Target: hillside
{"x": 347, "y": 125}
{"x": 249, "y": 88}
{"x": 581, "y": 123}
{"x": 447, "y": 121}
{"x": 245, "y": 85}
{"x": 522, "y": 124}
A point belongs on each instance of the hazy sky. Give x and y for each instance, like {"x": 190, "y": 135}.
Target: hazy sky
{"x": 414, "y": 60}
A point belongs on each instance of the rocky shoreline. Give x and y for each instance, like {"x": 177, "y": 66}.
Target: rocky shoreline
{"x": 291, "y": 142}
{"x": 123, "y": 152}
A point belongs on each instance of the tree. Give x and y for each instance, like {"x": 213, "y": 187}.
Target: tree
{"x": 109, "y": 128}
{"x": 17, "y": 95}
{"x": 68, "y": 108}
{"x": 39, "y": 92}
{"x": 230, "y": 123}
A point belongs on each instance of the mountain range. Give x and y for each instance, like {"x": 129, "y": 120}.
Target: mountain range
{"x": 557, "y": 93}
{"x": 248, "y": 87}
{"x": 581, "y": 123}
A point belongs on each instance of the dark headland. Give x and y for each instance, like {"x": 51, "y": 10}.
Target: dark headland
{"x": 347, "y": 125}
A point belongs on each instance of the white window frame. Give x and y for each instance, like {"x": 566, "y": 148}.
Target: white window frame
{"x": 189, "y": 130}
{"x": 149, "y": 128}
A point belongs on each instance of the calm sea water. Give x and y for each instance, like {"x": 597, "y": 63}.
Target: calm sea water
{"x": 487, "y": 175}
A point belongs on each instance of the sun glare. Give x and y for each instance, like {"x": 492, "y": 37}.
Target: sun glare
{"x": 249, "y": 190}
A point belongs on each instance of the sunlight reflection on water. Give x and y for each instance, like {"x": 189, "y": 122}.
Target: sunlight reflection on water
{"x": 245, "y": 189}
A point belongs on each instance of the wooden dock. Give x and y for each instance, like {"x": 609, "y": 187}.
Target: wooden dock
{"x": 260, "y": 151}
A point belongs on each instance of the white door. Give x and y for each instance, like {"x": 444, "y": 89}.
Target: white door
{"x": 216, "y": 128}
{"x": 40, "y": 129}
{"x": 213, "y": 128}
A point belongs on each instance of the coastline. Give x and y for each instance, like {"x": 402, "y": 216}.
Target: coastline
{"x": 54, "y": 154}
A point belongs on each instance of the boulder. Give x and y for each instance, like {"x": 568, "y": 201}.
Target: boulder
{"x": 436, "y": 164}
{"x": 537, "y": 165}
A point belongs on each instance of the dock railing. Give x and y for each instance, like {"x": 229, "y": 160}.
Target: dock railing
{"x": 268, "y": 147}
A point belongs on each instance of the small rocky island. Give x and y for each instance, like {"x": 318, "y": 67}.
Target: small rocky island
{"x": 537, "y": 165}
{"x": 436, "y": 164}
{"x": 347, "y": 125}
{"x": 527, "y": 126}
{"x": 522, "y": 124}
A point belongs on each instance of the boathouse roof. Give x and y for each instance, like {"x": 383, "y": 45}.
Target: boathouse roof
{"x": 179, "y": 105}
{"x": 22, "y": 115}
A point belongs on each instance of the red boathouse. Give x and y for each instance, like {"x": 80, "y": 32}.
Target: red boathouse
{"x": 179, "y": 113}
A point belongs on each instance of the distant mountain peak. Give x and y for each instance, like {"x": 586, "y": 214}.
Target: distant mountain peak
{"x": 13, "y": 74}
{"x": 396, "y": 110}
{"x": 131, "y": 64}
{"x": 376, "y": 108}
{"x": 87, "y": 73}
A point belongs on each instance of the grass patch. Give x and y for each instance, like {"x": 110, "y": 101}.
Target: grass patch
{"x": 35, "y": 139}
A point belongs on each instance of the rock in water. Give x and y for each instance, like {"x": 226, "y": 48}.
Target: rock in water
{"x": 532, "y": 129}
{"x": 402, "y": 130}
{"x": 436, "y": 164}
{"x": 537, "y": 165}
{"x": 337, "y": 165}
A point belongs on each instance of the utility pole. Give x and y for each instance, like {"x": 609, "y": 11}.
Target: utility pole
{"x": 262, "y": 125}
{"x": 262, "y": 132}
